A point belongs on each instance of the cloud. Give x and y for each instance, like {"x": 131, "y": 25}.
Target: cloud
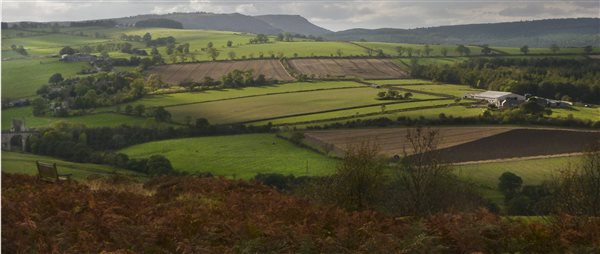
{"x": 331, "y": 14}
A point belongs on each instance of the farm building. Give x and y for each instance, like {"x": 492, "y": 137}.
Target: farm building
{"x": 78, "y": 58}
{"x": 499, "y": 99}
{"x": 553, "y": 103}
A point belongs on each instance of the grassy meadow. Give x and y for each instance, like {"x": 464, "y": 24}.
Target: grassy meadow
{"x": 240, "y": 156}
{"x": 269, "y": 106}
{"x": 22, "y": 163}
{"x": 23, "y": 77}
{"x": 230, "y": 93}
{"x": 92, "y": 120}
{"x": 532, "y": 171}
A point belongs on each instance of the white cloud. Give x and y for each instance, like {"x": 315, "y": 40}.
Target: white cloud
{"x": 331, "y": 14}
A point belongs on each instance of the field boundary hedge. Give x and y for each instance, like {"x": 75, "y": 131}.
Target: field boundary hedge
{"x": 347, "y": 108}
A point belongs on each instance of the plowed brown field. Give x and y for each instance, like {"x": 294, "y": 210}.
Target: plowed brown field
{"x": 174, "y": 73}
{"x": 360, "y": 68}
{"x": 461, "y": 144}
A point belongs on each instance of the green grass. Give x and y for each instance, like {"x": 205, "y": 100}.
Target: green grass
{"x": 242, "y": 156}
{"x": 453, "y": 90}
{"x": 254, "y": 108}
{"x": 22, "y": 163}
{"x": 399, "y": 81}
{"x": 49, "y": 44}
{"x": 432, "y": 113}
{"x": 93, "y": 120}
{"x": 389, "y": 48}
{"x": 515, "y": 50}
{"x": 22, "y": 78}
{"x": 352, "y": 112}
{"x": 211, "y": 95}
{"x": 584, "y": 113}
{"x": 532, "y": 171}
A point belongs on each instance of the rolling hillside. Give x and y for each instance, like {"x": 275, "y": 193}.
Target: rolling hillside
{"x": 266, "y": 24}
{"x": 538, "y": 33}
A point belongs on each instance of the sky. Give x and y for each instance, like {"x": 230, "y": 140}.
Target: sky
{"x": 331, "y": 14}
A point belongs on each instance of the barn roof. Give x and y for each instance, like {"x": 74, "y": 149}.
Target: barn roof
{"x": 492, "y": 94}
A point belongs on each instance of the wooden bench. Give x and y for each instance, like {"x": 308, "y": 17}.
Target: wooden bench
{"x": 48, "y": 172}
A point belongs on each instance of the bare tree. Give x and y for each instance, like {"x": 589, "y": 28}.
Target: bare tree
{"x": 425, "y": 184}
{"x": 578, "y": 189}
{"x": 359, "y": 180}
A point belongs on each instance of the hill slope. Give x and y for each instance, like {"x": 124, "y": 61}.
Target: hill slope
{"x": 538, "y": 33}
{"x": 266, "y": 24}
{"x": 293, "y": 24}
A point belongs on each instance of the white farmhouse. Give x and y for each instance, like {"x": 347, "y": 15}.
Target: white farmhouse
{"x": 499, "y": 99}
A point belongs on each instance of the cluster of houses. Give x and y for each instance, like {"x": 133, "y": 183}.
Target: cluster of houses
{"x": 509, "y": 100}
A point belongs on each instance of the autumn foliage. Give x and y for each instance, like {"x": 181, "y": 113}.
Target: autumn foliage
{"x": 209, "y": 215}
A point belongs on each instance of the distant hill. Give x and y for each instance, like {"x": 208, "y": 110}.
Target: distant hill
{"x": 267, "y": 24}
{"x": 293, "y": 24}
{"x": 575, "y": 32}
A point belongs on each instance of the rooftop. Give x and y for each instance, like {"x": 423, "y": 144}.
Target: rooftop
{"x": 492, "y": 94}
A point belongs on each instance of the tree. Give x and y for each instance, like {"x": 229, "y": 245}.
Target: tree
{"x": 577, "y": 188}
{"x": 39, "y": 107}
{"x": 229, "y": 44}
{"x": 213, "y": 53}
{"x": 423, "y": 179}
{"x": 279, "y": 37}
{"x": 444, "y": 51}
{"x": 408, "y": 95}
{"x": 339, "y": 52}
{"x": 427, "y": 49}
{"x": 161, "y": 114}
{"x": 554, "y": 48}
{"x": 170, "y": 49}
{"x": 400, "y": 50}
{"x": 140, "y": 110}
{"x": 67, "y": 51}
{"x": 158, "y": 165}
{"x": 55, "y": 78}
{"x": 147, "y": 37}
{"x": 231, "y": 55}
{"x": 509, "y": 184}
{"x": 187, "y": 83}
{"x": 202, "y": 123}
{"x": 209, "y": 45}
{"x": 486, "y": 50}
{"x": 525, "y": 49}
{"x": 588, "y": 49}
{"x": 358, "y": 180}
{"x": 460, "y": 49}
{"x": 128, "y": 109}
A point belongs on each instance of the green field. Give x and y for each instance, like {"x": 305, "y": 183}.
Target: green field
{"x": 242, "y": 156}
{"x": 399, "y": 81}
{"x": 354, "y": 113}
{"x": 49, "y": 44}
{"x": 453, "y": 90}
{"x": 584, "y": 113}
{"x": 253, "y": 108}
{"x": 431, "y": 113}
{"x": 93, "y": 120}
{"x": 213, "y": 95}
{"x": 532, "y": 171}
{"x": 25, "y": 164}
{"x": 389, "y": 48}
{"x": 22, "y": 78}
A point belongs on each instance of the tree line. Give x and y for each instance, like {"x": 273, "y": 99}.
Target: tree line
{"x": 555, "y": 78}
